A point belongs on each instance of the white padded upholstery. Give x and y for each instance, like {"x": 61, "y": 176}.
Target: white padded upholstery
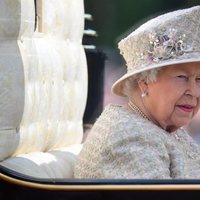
{"x": 53, "y": 164}
{"x": 43, "y": 82}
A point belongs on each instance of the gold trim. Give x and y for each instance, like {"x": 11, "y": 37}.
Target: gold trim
{"x": 113, "y": 187}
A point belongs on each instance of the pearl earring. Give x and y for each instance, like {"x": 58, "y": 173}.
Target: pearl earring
{"x": 143, "y": 94}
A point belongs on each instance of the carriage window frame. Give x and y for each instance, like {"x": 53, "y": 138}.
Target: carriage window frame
{"x": 38, "y": 16}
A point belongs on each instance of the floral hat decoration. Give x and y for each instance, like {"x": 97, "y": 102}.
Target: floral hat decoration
{"x": 169, "y": 39}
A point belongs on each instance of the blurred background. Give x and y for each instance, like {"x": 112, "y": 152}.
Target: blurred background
{"x": 112, "y": 20}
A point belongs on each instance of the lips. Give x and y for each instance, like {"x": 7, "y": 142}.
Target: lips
{"x": 186, "y": 107}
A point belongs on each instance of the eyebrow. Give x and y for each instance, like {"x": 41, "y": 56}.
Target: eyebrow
{"x": 185, "y": 71}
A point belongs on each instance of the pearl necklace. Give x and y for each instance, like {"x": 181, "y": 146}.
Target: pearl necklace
{"x": 136, "y": 109}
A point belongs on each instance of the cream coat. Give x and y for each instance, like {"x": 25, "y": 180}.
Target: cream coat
{"x": 121, "y": 144}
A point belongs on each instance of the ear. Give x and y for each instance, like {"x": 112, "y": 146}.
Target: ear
{"x": 143, "y": 86}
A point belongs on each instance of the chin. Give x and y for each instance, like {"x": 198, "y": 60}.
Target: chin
{"x": 181, "y": 123}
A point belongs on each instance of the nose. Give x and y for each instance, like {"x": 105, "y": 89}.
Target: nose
{"x": 193, "y": 88}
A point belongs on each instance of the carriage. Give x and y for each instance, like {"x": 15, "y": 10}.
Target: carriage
{"x": 47, "y": 85}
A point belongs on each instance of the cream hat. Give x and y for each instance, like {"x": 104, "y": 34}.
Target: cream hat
{"x": 169, "y": 39}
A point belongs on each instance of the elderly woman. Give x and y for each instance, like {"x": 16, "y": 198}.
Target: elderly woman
{"x": 145, "y": 138}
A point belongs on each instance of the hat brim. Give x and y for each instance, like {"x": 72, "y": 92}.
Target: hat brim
{"x": 117, "y": 87}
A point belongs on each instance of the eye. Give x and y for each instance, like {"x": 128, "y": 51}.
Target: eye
{"x": 198, "y": 79}
{"x": 183, "y": 77}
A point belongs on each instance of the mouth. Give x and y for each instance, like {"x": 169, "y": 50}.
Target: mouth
{"x": 186, "y": 108}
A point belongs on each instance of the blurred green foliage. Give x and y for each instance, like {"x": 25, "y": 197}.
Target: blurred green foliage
{"x": 112, "y": 18}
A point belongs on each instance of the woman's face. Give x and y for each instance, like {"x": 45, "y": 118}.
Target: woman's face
{"x": 174, "y": 99}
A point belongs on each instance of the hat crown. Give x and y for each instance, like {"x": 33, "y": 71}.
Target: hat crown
{"x": 165, "y": 38}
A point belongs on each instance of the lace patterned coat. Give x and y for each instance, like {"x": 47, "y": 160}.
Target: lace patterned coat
{"x": 122, "y": 144}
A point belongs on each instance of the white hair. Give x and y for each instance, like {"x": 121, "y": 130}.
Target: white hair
{"x": 131, "y": 83}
